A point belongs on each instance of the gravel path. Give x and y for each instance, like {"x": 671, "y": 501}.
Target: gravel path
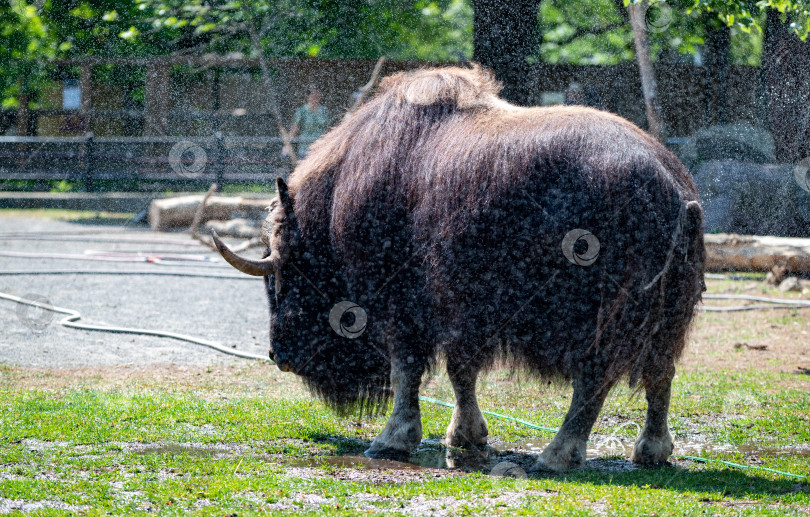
{"x": 232, "y": 312}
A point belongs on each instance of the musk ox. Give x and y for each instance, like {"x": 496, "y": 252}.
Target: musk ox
{"x": 439, "y": 221}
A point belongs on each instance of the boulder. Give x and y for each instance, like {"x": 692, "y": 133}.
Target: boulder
{"x": 741, "y": 142}
{"x": 752, "y": 199}
{"x": 790, "y": 283}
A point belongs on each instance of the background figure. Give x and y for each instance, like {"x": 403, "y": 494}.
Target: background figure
{"x": 310, "y": 121}
{"x": 574, "y": 95}
{"x": 587, "y": 96}
{"x": 593, "y": 97}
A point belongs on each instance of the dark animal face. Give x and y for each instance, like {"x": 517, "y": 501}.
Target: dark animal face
{"x": 299, "y": 328}
{"x": 314, "y": 331}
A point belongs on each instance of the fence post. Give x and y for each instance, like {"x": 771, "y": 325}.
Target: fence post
{"x": 88, "y": 163}
{"x": 219, "y": 167}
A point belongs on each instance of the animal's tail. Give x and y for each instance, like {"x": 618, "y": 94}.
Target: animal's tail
{"x": 674, "y": 295}
{"x": 696, "y": 252}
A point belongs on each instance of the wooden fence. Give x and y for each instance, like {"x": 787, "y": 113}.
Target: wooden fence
{"x": 143, "y": 163}
{"x": 230, "y": 97}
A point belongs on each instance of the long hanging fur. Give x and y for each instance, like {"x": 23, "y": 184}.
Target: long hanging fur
{"x": 476, "y": 195}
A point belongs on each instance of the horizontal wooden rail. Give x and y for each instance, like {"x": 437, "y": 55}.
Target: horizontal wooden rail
{"x": 138, "y": 160}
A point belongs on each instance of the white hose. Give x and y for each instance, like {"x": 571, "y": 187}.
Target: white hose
{"x": 71, "y": 318}
{"x": 802, "y": 303}
{"x": 20, "y": 272}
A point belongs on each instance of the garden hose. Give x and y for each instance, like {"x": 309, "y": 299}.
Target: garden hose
{"x": 72, "y": 317}
{"x": 676, "y": 456}
{"x": 172, "y": 260}
{"x": 20, "y": 272}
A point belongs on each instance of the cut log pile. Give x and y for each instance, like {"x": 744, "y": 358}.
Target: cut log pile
{"x": 241, "y": 218}
{"x": 178, "y": 212}
{"x": 239, "y": 228}
{"x": 756, "y": 253}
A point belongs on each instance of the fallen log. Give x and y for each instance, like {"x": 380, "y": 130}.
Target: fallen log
{"x": 239, "y": 228}
{"x": 725, "y": 251}
{"x": 178, "y": 212}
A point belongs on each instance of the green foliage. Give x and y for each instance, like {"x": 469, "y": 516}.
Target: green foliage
{"x": 588, "y": 32}
{"x": 23, "y": 36}
{"x": 34, "y": 32}
{"x": 436, "y": 30}
{"x": 746, "y": 14}
{"x": 597, "y": 32}
{"x": 63, "y": 186}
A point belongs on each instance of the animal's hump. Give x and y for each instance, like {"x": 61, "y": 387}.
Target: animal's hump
{"x": 450, "y": 86}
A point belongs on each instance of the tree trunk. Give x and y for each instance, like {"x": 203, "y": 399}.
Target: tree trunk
{"x": 648, "y": 85}
{"x": 774, "y": 32}
{"x": 715, "y": 64}
{"x": 785, "y": 76}
{"x": 23, "y": 119}
{"x": 504, "y": 36}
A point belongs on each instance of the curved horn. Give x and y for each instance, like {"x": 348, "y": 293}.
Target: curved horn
{"x": 263, "y": 267}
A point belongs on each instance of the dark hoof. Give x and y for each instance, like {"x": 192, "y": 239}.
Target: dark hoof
{"x": 387, "y": 453}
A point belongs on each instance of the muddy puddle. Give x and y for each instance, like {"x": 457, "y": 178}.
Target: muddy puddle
{"x": 432, "y": 455}
{"x": 185, "y": 448}
{"x": 602, "y": 446}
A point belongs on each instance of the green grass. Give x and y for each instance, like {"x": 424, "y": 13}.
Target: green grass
{"x": 82, "y": 445}
{"x": 248, "y": 440}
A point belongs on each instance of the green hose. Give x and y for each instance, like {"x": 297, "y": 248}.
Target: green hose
{"x": 497, "y": 415}
{"x": 73, "y": 316}
{"x": 738, "y": 465}
{"x": 677, "y": 456}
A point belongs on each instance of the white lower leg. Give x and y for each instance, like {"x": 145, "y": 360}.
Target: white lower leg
{"x": 467, "y": 427}
{"x": 655, "y": 444}
{"x": 403, "y": 431}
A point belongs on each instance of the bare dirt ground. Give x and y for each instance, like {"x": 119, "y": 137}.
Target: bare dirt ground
{"x": 230, "y": 311}
{"x": 776, "y": 340}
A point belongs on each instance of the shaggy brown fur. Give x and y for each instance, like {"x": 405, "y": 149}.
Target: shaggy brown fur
{"x": 441, "y": 210}
{"x": 442, "y": 148}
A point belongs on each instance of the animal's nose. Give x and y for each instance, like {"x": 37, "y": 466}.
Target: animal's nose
{"x": 282, "y": 362}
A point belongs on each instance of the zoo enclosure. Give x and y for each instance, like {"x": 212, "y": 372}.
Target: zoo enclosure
{"x": 219, "y": 103}
{"x": 200, "y": 95}
{"x": 148, "y": 163}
